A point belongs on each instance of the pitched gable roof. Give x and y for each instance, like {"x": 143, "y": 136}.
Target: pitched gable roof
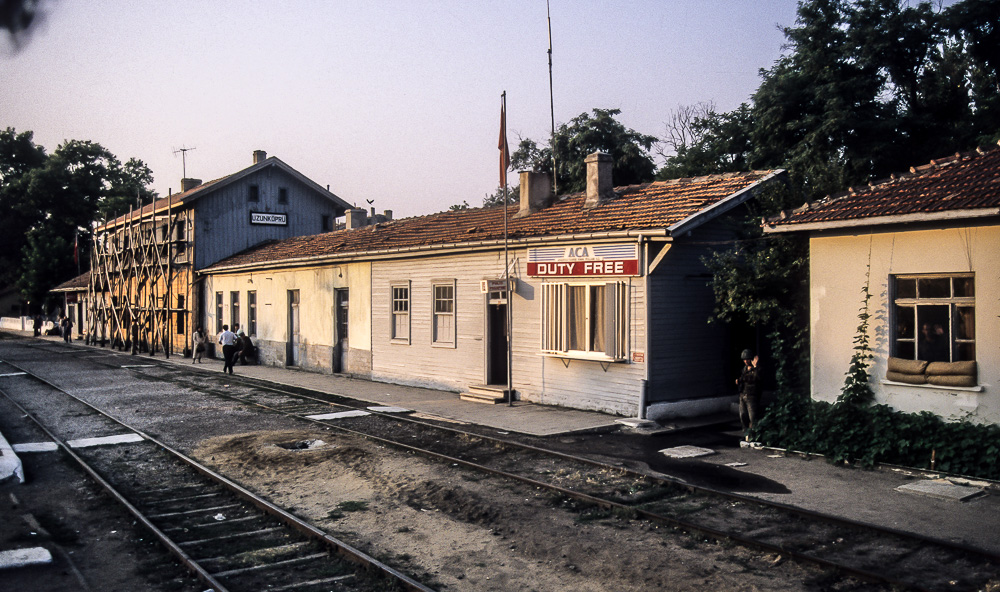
{"x": 669, "y": 207}
{"x": 78, "y": 284}
{"x": 185, "y": 198}
{"x": 966, "y": 185}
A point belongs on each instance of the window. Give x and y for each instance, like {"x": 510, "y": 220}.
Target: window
{"x": 934, "y": 317}
{"x": 252, "y": 312}
{"x": 218, "y": 312}
{"x": 327, "y": 223}
{"x": 234, "y": 309}
{"x": 282, "y": 195}
{"x": 401, "y": 312}
{"x": 253, "y": 193}
{"x": 585, "y": 320}
{"x": 444, "y": 313}
{"x": 180, "y": 316}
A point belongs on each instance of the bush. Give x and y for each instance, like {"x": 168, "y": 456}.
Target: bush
{"x": 876, "y": 434}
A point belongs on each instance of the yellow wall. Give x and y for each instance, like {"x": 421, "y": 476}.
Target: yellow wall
{"x": 837, "y": 275}
{"x": 316, "y": 304}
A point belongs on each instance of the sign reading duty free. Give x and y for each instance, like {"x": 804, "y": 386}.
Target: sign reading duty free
{"x": 584, "y": 260}
{"x": 269, "y": 218}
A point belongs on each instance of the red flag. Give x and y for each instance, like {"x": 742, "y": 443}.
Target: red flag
{"x": 76, "y": 248}
{"x": 502, "y": 144}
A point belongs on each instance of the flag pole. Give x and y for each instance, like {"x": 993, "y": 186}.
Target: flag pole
{"x": 552, "y": 108}
{"x": 504, "y": 165}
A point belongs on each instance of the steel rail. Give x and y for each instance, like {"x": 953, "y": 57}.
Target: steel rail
{"x": 200, "y": 572}
{"x": 611, "y": 505}
{"x": 341, "y": 548}
{"x": 656, "y": 477}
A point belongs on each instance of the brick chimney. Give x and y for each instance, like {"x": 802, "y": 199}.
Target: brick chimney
{"x": 189, "y": 184}
{"x": 599, "y": 185}
{"x": 536, "y": 193}
{"x": 356, "y": 218}
{"x": 259, "y": 156}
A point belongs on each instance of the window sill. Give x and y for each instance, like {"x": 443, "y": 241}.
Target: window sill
{"x": 966, "y": 389}
{"x": 443, "y": 344}
{"x": 584, "y": 356}
{"x": 400, "y": 341}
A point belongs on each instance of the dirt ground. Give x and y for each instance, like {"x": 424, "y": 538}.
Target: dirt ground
{"x": 457, "y": 530}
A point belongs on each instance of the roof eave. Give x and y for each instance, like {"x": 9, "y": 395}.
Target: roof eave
{"x": 883, "y": 220}
{"x": 722, "y": 206}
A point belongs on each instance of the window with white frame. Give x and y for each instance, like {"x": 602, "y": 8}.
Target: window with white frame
{"x": 218, "y": 312}
{"x": 401, "y": 312}
{"x": 934, "y": 317}
{"x": 585, "y": 319}
{"x": 444, "y": 313}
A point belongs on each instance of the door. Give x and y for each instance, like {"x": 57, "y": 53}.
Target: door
{"x": 496, "y": 355}
{"x": 342, "y": 302}
{"x": 292, "y": 358}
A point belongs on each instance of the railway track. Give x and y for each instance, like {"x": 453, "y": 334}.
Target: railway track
{"x": 889, "y": 557}
{"x": 228, "y": 537}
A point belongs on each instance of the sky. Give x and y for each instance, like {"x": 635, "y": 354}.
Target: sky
{"x": 396, "y": 102}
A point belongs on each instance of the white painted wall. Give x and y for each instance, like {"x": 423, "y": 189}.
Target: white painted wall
{"x": 837, "y": 275}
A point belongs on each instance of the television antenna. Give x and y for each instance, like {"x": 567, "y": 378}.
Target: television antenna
{"x": 183, "y": 152}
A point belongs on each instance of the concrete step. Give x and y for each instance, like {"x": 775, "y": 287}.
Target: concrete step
{"x": 485, "y": 394}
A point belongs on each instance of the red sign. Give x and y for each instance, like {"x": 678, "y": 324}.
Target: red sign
{"x": 584, "y": 268}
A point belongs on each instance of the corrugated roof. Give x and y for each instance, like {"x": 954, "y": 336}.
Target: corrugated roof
{"x": 965, "y": 183}
{"x": 656, "y": 205}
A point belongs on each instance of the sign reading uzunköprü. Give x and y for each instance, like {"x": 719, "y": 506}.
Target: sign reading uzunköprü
{"x": 270, "y": 218}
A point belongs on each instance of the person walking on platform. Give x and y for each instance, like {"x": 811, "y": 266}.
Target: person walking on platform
{"x": 198, "y": 339}
{"x": 37, "y": 325}
{"x": 228, "y": 341}
{"x": 67, "y": 327}
{"x": 749, "y": 388}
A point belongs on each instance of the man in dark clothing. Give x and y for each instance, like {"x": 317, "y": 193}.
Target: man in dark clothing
{"x": 37, "y": 325}
{"x": 749, "y": 388}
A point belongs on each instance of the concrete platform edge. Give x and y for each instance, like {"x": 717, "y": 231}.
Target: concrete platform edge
{"x": 10, "y": 463}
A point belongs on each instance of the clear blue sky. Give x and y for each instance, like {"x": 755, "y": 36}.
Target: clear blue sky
{"x": 392, "y": 101}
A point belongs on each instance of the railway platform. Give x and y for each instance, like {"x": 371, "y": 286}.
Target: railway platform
{"x": 934, "y": 505}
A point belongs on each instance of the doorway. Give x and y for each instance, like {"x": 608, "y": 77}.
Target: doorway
{"x": 341, "y": 315}
{"x": 496, "y": 348}
{"x": 292, "y": 350}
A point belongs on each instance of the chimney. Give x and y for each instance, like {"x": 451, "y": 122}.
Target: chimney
{"x": 189, "y": 184}
{"x": 356, "y": 218}
{"x": 259, "y": 156}
{"x": 536, "y": 193}
{"x": 388, "y": 215}
{"x": 599, "y": 185}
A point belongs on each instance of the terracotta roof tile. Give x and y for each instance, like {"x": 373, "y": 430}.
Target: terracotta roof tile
{"x": 636, "y": 207}
{"x": 965, "y": 181}
{"x": 80, "y": 282}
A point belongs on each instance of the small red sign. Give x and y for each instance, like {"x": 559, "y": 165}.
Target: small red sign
{"x": 638, "y": 357}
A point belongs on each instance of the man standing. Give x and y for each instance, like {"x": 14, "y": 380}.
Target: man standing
{"x": 228, "y": 341}
{"x": 749, "y": 388}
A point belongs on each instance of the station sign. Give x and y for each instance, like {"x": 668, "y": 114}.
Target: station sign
{"x": 487, "y": 286}
{"x": 584, "y": 261}
{"x": 269, "y": 218}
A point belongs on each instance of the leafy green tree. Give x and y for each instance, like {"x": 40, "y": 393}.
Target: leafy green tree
{"x": 19, "y": 155}
{"x": 582, "y": 136}
{"x": 49, "y": 202}
{"x": 496, "y": 198}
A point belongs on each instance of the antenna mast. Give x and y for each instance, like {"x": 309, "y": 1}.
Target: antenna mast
{"x": 552, "y": 108}
{"x": 183, "y": 152}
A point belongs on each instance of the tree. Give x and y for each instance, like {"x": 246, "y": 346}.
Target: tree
{"x": 49, "y": 202}
{"x": 496, "y": 198}
{"x": 584, "y": 135}
{"x": 18, "y": 156}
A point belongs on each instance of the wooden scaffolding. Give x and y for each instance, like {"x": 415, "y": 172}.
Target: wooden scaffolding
{"x": 141, "y": 282}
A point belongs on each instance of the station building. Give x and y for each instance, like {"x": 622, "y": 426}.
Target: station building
{"x": 927, "y": 244}
{"x": 606, "y": 290}
{"x": 143, "y": 292}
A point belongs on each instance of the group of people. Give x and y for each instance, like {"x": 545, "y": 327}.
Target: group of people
{"x": 236, "y": 344}
{"x": 64, "y": 329}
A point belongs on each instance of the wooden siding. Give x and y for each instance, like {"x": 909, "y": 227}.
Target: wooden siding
{"x": 222, "y": 221}
{"x": 687, "y": 354}
{"x": 584, "y": 384}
